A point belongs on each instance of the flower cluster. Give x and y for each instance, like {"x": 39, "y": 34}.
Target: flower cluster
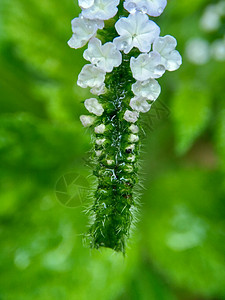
{"x": 126, "y": 56}
{"x": 157, "y": 54}
{"x": 199, "y": 50}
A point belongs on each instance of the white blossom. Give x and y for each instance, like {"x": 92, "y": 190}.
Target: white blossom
{"x": 170, "y": 57}
{"x": 131, "y": 147}
{"x": 100, "y": 129}
{"x": 87, "y": 120}
{"x": 198, "y": 51}
{"x": 129, "y": 168}
{"x": 83, "y": 30}
{"x": 110, "y": 162}
{"x": 93, "y": 106}
{"x": 133, "y": 138}
{"x": 106, "y": 56}
{"x": 131, "y": 158}
{"x": 210, "y": 21}
{"x": 135, "y": 31}
{"x": 98, "y": 152}
{"x": 218, "y": 50}
{"x": 91, "y": 76}
{"x": 100, "y": 142}
{"x": 101, "y": 10}
{"x": 140, "y": 104}
{"x": 131, "y": 116}
{"x": 85, "y": 3}
{"x": 134, "y": 128}
{"x": 98, "y": 90}
{"x": 153, "y": 8}
{"x": 149, "y": 89}
{"x": 147, "y": 66}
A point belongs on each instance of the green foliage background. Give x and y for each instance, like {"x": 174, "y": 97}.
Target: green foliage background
{"x": 177, "y": 250}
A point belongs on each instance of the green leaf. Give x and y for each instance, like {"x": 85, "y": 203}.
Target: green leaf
{"x": 184, "y": 226}
{"x": 190, "y": 114}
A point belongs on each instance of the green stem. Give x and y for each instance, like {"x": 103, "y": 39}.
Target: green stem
{"x": 116, "y": 167}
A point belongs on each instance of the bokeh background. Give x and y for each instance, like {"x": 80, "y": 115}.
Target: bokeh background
{"x": 177, "y": 251}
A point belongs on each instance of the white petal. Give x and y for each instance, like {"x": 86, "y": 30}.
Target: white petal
{"x": 123, "y": 43}
{"x": 91, "y": 76}
{"x": 98, "y": 90}
{"x": 146, "y": 32}
{"x": 134, "y": 128}
{"x": 165, "y": 46}
{"x": 100, "y": 129}
{"x": 113, "y": 57}
{"x": 140, "y": 104}
{"x": 133, "y": 138}
{"x": 126, "y": 26}
{"x": 149, "y": 89}
{"x": 101, "y": 10}
{"x": 100, "y": 142}
{"x": 87, "y": 120}
{"x": 98, "y": 153}
{"x": 136, "y": 31}
{"x": 173, "y": 61}
{"x": 131, "y": 146}
{"x": 93, "y": 106}
{"x": 85, "y": 3}
{"x": 105, "y": 57}
{"x": 131, "y": 116}
{"x": 147, "y": 66}
{"x": 153, "y": 8}
{"x": 83, "y": 31}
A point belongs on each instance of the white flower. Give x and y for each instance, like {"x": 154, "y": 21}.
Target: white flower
{"x": 106, "y": 56}
{"x": 133, "y": 138}
{"x": 83, "y": 30}
{"x": 140, "y": 104}
{"x": 218, "y": 50}
{"x": 198, "y": 51}
{"x": 98, "y": 152}
{"x": 210, "y": 21}
{"x": 87, "y": 120}
{"x": 129, "y": 168}
{"x": 170, "y": 57}
{"x": 100, "y": 129}
{"x": 131, "y": 116}
{"x": 91, "y": 76}
{"x": 110, "y": 162}
{"x": 85, "y": 3}
{"x": 153, "y": 8}
{"x": 100, "y": 142}
{"x": 134, "y": 128}
{"x": 147, "y": 66}
{"x": 131, "y": 158}
{"x": 131, "y": 147}
{"x": 101, "y": 10}
{"x": 149, "y": 89}
{"x": 136, "y": 31}
{"x": 98, "y": 90}
{"x": 93, "y": 106}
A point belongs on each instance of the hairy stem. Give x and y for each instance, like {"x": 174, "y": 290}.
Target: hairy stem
{"x": 117, "y": 154}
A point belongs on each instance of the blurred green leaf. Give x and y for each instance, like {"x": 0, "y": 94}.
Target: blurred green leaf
{"x": 191, "y": 114}
{"x": 185, "y": 229}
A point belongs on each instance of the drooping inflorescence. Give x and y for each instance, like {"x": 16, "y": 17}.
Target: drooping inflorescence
{"x": 126, "y": 55}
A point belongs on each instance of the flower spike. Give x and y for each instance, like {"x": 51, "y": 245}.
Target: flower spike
{"x": 124, "y": 63}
